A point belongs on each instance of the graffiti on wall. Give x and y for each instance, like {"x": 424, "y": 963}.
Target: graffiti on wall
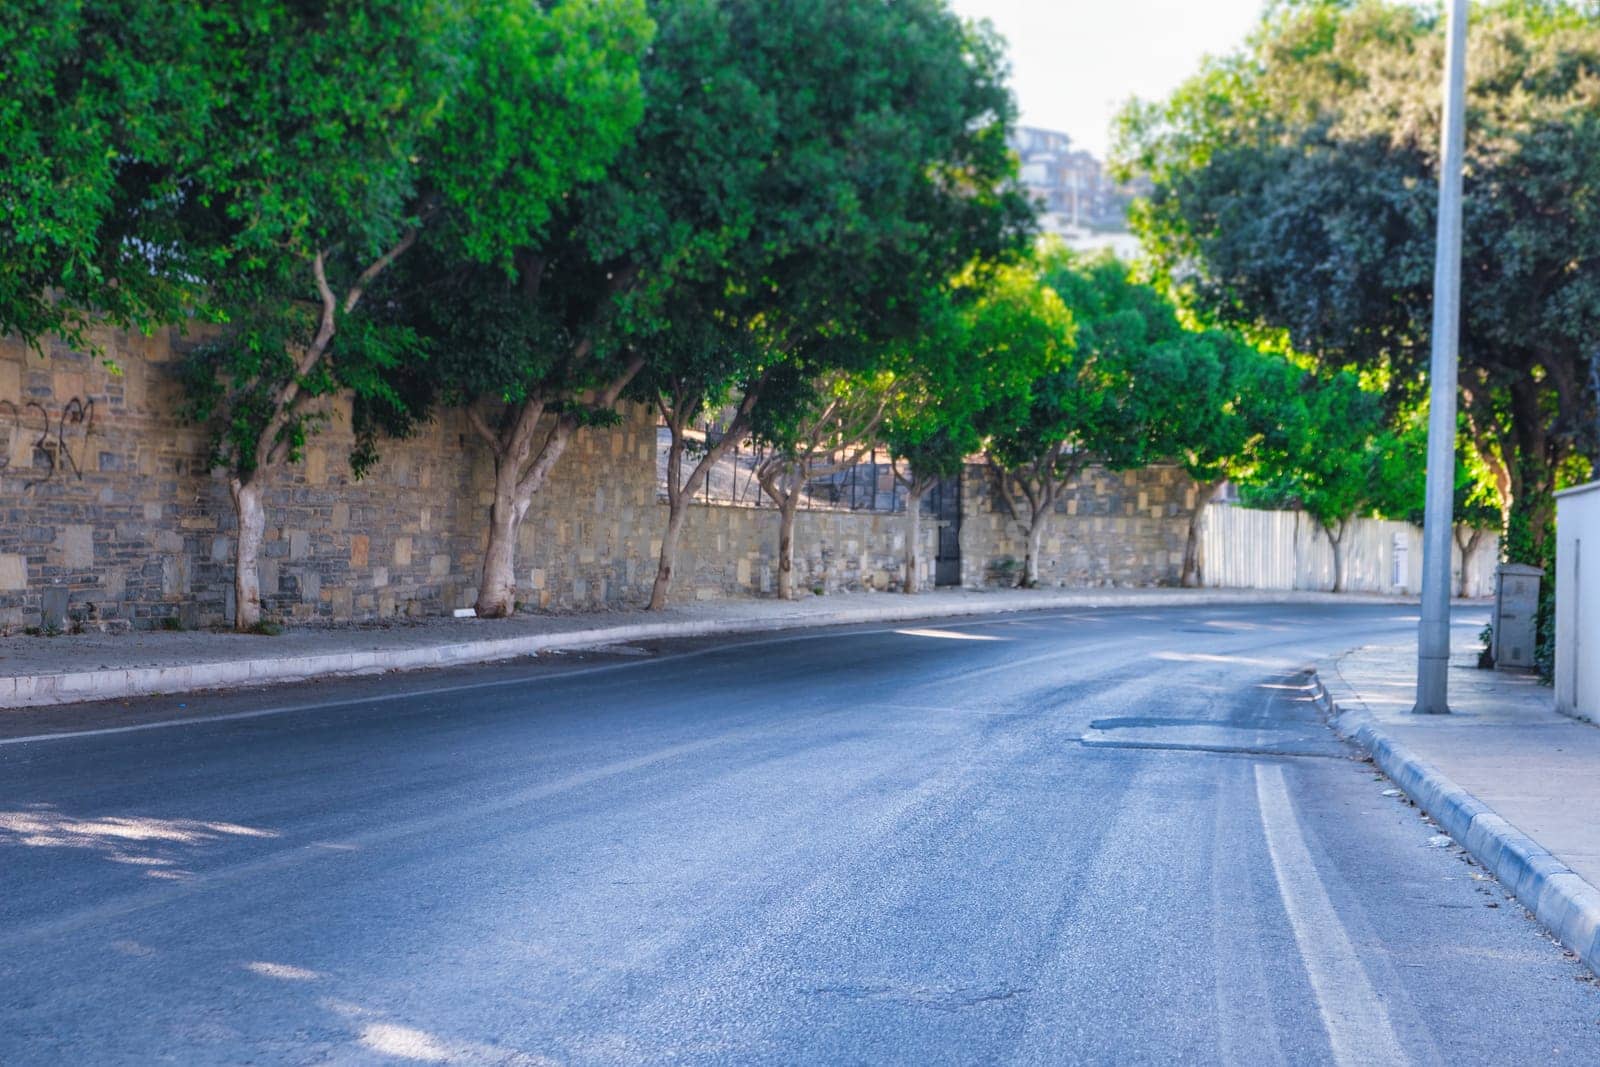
{"x": 55, "y": 438}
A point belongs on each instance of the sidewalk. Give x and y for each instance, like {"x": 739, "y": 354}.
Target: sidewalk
{"x": 36, "y": 671}
{"x": 1508, "y": 777}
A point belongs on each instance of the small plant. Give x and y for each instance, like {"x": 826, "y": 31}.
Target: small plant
{"x": 266, "y": 629}
{"x": 818, "y": 589}
{"x": 1003, "y": 571}
{"x": 1486, "y": 655}
{"x": 172, "y": 623}
{"x": 33, "y": 631}
{"x": 1544, "y": 656}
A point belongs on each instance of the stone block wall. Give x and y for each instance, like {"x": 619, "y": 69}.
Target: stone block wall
{"x": 1108, "y": 528}
{"x": 733, "y": 551}
{"x": 110, "y": 517}
{"x": 109, "y": 514}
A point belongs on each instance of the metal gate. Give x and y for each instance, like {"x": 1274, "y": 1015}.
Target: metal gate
{"x": 944, "y": 505}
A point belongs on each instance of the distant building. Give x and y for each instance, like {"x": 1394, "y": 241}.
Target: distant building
{"x": 1079, "y": 202}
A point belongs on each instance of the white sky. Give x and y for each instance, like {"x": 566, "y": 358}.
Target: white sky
{"x": 1074, "y": 62}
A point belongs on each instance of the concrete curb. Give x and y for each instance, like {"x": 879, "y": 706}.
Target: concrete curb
{"x": 39, "y": 690}
{"x": 1566, "y": 904}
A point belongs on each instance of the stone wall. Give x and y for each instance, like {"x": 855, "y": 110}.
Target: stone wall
{"x": 1108, "y": 528}
{"x": 733, "y": 551}
{"x": 110, "y": 517}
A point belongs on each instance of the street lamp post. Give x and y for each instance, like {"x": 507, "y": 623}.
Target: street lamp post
{"x": 1433, "y": 637}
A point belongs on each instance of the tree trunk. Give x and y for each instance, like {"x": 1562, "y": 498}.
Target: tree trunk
{"x": 787, "y": 510}
{"x": 681, "y": 491}
{"x": 1191, "y": 576}
{"x": 913, "y": 535}
{"x": 1338, "y": 556}
{"x": 520, "y": 472}
{"x": 677, "y": 511}
{"x": 497, "y": 585}
{"x": 1474, "y": 538}
{"x": 1030, "y": 562}
{"x": 252, "y": 520}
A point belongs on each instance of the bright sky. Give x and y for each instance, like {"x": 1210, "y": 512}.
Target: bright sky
{"x": 1074, "y": 62}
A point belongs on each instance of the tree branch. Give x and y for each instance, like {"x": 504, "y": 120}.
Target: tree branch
{"x": 375, "y": 268}
{"x": 476, "y": 419}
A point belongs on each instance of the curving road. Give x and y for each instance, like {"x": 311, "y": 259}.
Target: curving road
{"x": 1087, "y": 837}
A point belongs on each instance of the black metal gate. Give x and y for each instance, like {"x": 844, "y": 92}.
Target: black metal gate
{"x": 944, "y": 506}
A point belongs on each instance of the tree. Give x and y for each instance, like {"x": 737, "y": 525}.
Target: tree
{"x": 987, "y": 336}
{"x": 1294, "y": 191}
{"x": 869, "y": 166}
{"x": 706, "y": 365}
{"x": 1346, "y": 464}
{"x": 342, "y": 139}
{"x": 1477, "y": 509}
{"x": 830, "y": 433}
{"x": 1234, "y": 414}
{"x": 1039, "y": 442}
{"x": 1139, "y": 387}
{"x": 102, "y": 102}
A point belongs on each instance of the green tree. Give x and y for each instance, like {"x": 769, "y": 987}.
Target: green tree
{"x": 830, "y": 432}
{"x": 1346, "y": 464}
{"x": 1477, "y": 509}
{"x": 987, "y": 336}
{"x": 1294, "y": 190}
{"x": 869, "y": 166}
{"x": 341, "y": 139}
{"x": 1245, "y": 421}
{"x": 101, "y": 102}
{"x": 1205, "y": 399}
{"x": 1038, "y": 443}
{"x": 1141, "y": 387}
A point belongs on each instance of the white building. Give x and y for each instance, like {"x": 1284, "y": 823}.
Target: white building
{"x": 1078, "y": 201}
{"x": 1578, "y": 601}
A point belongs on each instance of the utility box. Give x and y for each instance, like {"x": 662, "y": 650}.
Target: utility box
{"x": 1516, "y": 615}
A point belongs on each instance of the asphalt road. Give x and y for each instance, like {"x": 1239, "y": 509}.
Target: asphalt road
{"x": 1109, "y": 837}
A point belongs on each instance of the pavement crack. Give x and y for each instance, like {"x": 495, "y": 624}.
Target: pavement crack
{"x": 952, "y": 999}
{"x": 1212, "y": 750}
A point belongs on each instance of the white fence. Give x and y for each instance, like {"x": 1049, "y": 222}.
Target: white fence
{"x": 1578, "y": 601}
{"x": 1242, "y": 548}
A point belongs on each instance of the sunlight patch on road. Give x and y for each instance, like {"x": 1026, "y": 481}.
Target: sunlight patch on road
{"x": 951, "y": 635}
{"x": 403, "y": 1041}
{"x": 154, "y": 846}
{"x": 285, "y": 971}
{"x": 46, "y": 828}
{"x": 409, "y": 1043}
{"x": 1210, "y": 657}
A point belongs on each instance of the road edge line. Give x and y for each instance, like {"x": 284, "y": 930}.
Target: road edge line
{"x": 1560, "y": 898}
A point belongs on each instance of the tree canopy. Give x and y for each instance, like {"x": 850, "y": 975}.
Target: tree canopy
{"x": 102, "y": 105}
{"x": 344, "y": 138}
{"x": 1295, "y": 192}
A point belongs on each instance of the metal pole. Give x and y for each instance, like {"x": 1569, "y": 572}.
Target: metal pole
{"x": 1433, "y": 634}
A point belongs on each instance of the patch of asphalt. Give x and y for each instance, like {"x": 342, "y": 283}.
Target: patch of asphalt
{"x": 160, "y": 710}
{"x": 304, "y": 656}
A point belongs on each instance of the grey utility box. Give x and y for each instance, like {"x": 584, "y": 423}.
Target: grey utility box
{"x": 1516, "y": 614}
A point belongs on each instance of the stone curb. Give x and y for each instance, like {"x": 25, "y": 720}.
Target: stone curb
{"x": 1566, "y": 904}
{"x": 39, "y": 690}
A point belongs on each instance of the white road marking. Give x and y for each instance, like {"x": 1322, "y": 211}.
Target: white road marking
{"x": 1359, "y": 1031}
